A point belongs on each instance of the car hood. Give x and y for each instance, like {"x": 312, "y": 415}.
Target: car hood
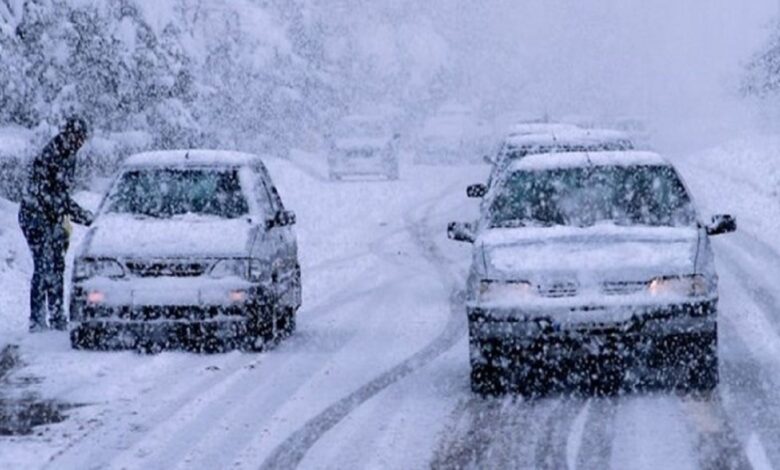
{"x": 126, "y": 236}
{"x": 588, "y": 255}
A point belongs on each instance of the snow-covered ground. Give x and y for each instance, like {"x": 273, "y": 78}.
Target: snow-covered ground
{"x": 377, "y": 374}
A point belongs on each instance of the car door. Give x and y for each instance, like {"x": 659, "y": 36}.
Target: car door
{"x": 281, "y": 244}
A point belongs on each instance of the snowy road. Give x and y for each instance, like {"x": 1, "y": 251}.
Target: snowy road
{"x": 377, "y": 375}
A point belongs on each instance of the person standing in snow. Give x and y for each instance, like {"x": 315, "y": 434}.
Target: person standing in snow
{"x": 44, "y": 216}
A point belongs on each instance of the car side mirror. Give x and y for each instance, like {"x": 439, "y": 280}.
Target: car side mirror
{"x": 722, "y": 224}
{"x": 281, "y": 219}
{"x": 476, "y": 190}
{"x": 461, "y": 232}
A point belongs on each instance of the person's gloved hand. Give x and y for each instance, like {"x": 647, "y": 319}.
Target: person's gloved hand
{"x": 67, "y": 226}
{"x": 89, "y": 218}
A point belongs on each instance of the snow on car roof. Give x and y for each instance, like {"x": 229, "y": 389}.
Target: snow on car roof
{"x": 529, "y": 128}
{"x": 570, "y": 136}
{"x": 548, "y": 161}
{"x": 192, "y": 158}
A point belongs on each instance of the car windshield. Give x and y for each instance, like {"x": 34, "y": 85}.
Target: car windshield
{"x": 651, "y": 195}
{"x": 361, "y": 128}
{"x": 165, "y": 193}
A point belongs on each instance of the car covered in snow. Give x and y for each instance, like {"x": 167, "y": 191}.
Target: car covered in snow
{"x": 536, "y": 128}
{"x": 454, "y": 134}
{"x": 591, "y": 265}
{"x": 558, "y": 139}
{"x": 189, "y": 248}
{"x": 363, "y": 145}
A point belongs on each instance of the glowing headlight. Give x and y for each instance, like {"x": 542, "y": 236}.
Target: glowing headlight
{"x": 492, "y": 291}
{"x": 685, "y": 286}
{"x": 250, "y": 269}
{"x": 87, "y": 268}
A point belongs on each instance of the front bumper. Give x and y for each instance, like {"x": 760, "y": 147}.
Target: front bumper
{"x": 507, "y": 334}
{"x": 203, "y": 335}
{"x": 169, "y": 313}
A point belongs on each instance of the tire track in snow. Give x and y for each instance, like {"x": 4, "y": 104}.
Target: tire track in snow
{"x": 104, "y": 446}
{"x": 717, "y": 446}
{"x": 292, "y": 451}
{"x": 510, "y": 432}
{"x": 550, "y": 450}
{"x": 470, "y": 436}
{"x": 760, "y": 295}
{"x": 598, "y": 434}
{"x": 744, "y": 378}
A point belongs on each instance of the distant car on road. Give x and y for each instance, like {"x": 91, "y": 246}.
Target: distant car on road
{"x": 363, "y": 145}
{"x": 591, "y": 265}
{"x": 454, "y": 134}
{"x": 190, "y": 248}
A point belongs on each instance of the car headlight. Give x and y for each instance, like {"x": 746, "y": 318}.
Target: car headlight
{"x": 253, "y": 270}
{"x": 86, "y": 268}
{"x": 492, "y": 291}
{"x": 681, "y": 286}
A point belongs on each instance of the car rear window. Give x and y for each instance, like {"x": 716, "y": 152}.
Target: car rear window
{"x": 165, "y": 193}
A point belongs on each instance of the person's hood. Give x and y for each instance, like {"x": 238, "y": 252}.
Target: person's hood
{"x": 587, "y": 255}
{"x": 124, "y": 236}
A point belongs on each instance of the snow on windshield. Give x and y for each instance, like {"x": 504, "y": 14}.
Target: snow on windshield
{"x": 624, "y": 195}
{"x": 165, "y": 193}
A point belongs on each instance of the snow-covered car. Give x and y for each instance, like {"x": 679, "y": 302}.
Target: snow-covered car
{"x": 566, "y": 138}
{"x": 535, "y": 128}
{"x": 455, "y": 134}
{"x": 188, "y": 248}
{"x": 363, "y": 145}
{"x": 591, "y": 264}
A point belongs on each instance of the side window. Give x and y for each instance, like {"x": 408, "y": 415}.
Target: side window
{"x": 267, "y": 195}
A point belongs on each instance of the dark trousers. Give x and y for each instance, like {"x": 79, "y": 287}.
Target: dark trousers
{"x": 48, "y": 243}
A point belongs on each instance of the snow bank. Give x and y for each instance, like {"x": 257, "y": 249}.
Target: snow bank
{"x": 748, "y": 172}
{"x": 15, "y": 142}
{"x": 15, "y": 270}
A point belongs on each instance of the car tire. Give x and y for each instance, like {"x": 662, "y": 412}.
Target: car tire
{"x": 261, "y": 332}
{"x": 286, "y": 322}
{"x": 690, "y": 362}
{"x": 488, "y": 380}
{"x": 82, "y": 339}
{"x": 703, "y": 374}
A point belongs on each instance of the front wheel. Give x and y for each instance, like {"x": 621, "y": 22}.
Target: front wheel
{"x": 286, "y": 322}
{"x": 488, "y": 380}
{"x": 703, "y": 374}
{"x": 261, "y": 331}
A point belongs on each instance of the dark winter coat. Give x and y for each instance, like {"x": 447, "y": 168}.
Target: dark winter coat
{"x": 50, "y": 182}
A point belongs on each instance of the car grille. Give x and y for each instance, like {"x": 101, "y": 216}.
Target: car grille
{"x": 362, "y": 153}
{"x": 623, "y": 287}
{"x": 158, "y": 268}
{"x": 559, "y": 290}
